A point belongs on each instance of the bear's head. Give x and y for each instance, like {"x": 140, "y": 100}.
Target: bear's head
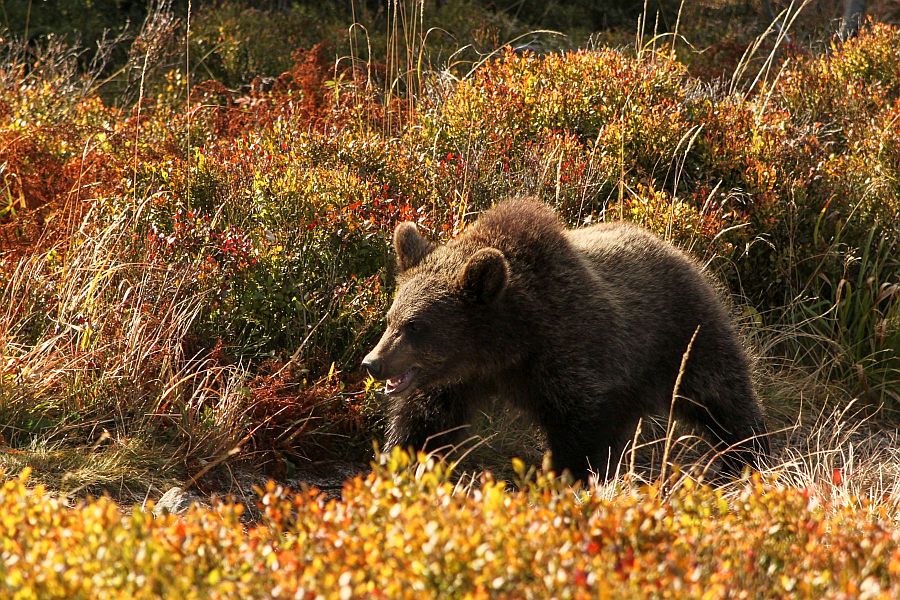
{"x": 444, "y": 315}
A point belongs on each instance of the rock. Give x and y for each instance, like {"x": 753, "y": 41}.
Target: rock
{"x": 176, "y": 501}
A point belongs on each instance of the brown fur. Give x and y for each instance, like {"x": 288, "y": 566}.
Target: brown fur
{"x": 584, "y": 329}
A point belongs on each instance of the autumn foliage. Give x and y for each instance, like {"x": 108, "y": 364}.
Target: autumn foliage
{"x": 406, "y": 531}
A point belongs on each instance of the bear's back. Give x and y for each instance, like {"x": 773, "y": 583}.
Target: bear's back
{"x": 638, "y": 263}
{"x": 661, "y": 293}
{"x": 621, "y": 241}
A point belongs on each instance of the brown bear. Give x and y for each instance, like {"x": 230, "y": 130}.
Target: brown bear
{"x": 584, "y": 329}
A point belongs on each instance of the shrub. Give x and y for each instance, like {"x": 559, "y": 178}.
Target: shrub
{"x": 599, "y": 108}
{"x": 385, "y": 538}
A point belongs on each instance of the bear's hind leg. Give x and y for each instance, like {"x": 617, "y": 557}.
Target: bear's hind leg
{"x": 734, "y": 421}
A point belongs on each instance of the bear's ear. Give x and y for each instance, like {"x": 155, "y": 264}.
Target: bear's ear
{"x": 410, "y": 246}
{"x": 485, "y": 276}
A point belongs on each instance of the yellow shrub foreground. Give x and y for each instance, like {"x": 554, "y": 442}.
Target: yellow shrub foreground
{"x": 406, "y": 531}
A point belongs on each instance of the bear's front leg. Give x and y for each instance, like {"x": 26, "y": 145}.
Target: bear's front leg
{"x": 431, "y": 420}
{"x": 588, "y": 447}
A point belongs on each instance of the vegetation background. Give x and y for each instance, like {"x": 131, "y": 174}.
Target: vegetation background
{"x": 196, "y": 201}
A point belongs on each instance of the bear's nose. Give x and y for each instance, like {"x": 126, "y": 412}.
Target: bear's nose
{"x": 373, "y": 366}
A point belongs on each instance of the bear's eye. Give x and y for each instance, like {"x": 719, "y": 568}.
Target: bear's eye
{"x": 412, "y": 326}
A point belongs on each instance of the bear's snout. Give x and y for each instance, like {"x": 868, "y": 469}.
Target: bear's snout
{"x": 373, "y": 365}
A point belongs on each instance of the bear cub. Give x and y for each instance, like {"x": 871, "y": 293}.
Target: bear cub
{"x": 583, "y": 329}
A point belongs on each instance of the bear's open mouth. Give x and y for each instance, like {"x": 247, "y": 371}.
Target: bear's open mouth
{"x": 395, "y": 385}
